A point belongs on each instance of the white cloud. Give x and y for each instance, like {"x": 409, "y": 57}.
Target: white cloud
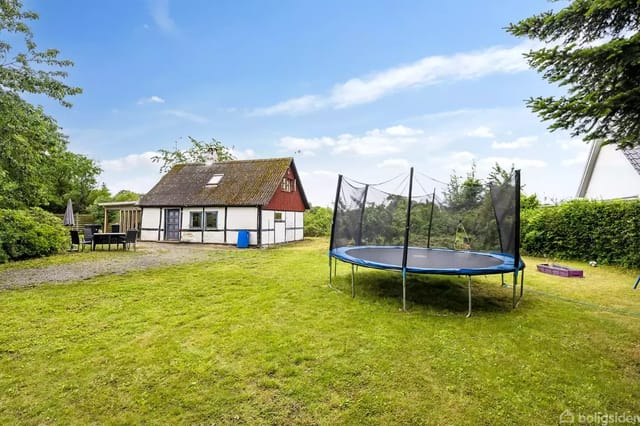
{"x": 430, "y": 70}
{"x": 573, "y": 145}
{"x": 135, "y": 172}
{"x": 293, "y": 106}
{"x": 159, "y": 10}
{"x": 521, "y": 142}
{"x": 394, "y": 163}
{"x": 374, "y": 142}
{"x": 578, "y": 148}
{"x": 187, "y": 116}
{"x": 487, "y": 163}
{"x": 245, "y": 154}
{"x": 402, "y": 131}
{"x": 481, "y": 132}
{"x": 151, "y": 100}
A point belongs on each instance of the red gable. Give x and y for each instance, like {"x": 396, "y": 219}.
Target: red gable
{"x": 288, "y": 196}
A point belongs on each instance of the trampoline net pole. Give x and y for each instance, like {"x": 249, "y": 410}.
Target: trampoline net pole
{"x": 404, "y": 289}
{"x": 469, "y": 286}
{"x": 515, "y": 286}
{"x": 333, "y": 226}
{"x": 353, "y": 280}
{"x": 335, "y": 212}
{"x": 406, "y": 244}
{"x": 362, "y": 210}
{"x": 433, "y": 202}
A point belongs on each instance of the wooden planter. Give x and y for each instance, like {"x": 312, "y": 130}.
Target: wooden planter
{"x": 561, "y": 271}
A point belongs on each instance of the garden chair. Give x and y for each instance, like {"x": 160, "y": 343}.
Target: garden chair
{"x": 132, "y": 235}
{"x": 75, "y": 240}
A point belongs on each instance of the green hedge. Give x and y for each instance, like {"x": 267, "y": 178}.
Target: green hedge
{"x": 30, "y": 233}
{"x": 605, "y": 231}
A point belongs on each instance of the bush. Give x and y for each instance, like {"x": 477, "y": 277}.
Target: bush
{"x": 30, "y": 233}
{"x": 605, "y": 231}
{"x": 317, "y": 222}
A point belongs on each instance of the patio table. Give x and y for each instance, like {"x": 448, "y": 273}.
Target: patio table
{"x": 108, "y": 238}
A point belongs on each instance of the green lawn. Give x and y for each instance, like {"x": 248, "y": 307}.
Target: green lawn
{"x": 257, "y": 337}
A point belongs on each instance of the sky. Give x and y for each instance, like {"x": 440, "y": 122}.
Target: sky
{"x": 366, "y": 89}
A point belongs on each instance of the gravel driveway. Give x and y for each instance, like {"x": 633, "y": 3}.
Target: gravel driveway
{"x": 149, "y": 255}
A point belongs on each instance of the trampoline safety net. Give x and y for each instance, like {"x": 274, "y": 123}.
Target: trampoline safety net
{"x": 480, "y": 217}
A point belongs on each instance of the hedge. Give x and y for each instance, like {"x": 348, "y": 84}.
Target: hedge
{"x": 605, "y": 231}
{"x": 30, "y": 233}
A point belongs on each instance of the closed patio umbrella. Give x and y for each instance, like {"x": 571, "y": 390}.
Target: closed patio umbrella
{"x": 68, "y": 219}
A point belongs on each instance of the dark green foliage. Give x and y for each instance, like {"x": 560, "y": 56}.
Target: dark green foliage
{"x": 199, "y": 152}
{"x": 594, "y": 51}
{"x": 605, "y": 231}
{"x": 25, "y": 68}
{"x": 30, "y": 233}
{"x": 36, "y": 169}
{"x": 317, "y": 222}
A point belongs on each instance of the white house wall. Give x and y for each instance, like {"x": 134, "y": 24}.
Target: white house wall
{"x": 282, "y": 231}
{"x": 149, "y": 224}
{"x": 199, "y": 235}
{"x": 299, "y": 231}
{"x": 613, "y": 176}
{"x": 231, "y": 220}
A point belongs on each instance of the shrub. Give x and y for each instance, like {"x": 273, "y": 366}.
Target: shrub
{"x": 317, "y": 222}
{"x": 605, "y": 231}
{"x": 30, "y": 233}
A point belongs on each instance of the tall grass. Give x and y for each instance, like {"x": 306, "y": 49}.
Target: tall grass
{"x": 257, "y": 337}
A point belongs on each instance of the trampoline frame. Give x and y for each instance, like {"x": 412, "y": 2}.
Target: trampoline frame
{"x": 508, "y": 264}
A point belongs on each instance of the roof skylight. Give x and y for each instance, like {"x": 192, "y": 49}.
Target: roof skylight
{"x": 215, "y": 180}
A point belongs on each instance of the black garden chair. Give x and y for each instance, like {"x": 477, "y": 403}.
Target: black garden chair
{"x": 75, "y": 241}
{"x": 132, "y": 236}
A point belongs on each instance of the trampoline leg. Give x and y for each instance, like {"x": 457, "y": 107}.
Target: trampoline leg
{"x": 469, "y": 285}
{"x": 521, "y": 285}
{"x": 330, "y": 276}
{"x": 404, "y": 290}
{"x": 503, "y": 283}
{"x": 353, "y": 281}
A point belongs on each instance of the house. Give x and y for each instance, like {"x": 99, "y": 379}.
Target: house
{"x": 215, "y": 203}
{"x": 611, "y": 173}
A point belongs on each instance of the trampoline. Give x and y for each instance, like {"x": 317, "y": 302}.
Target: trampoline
{"x": 427, "y": 260}
{"x": 366, "y": 219}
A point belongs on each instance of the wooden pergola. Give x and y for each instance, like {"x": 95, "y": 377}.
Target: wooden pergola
{"x": 129, "y": 214}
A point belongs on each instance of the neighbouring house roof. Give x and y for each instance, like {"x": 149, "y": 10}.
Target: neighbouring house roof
{"x": 632, "y": 155}
{"x": 243, "y": 183}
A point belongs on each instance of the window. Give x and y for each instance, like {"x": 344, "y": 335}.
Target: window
{"x": 277, "y": 216}
{"x": 196, "y": 220}
{"x": 215, "y": 180}
{"x": 211, "y": 220}
{"x": 288, "y": 185}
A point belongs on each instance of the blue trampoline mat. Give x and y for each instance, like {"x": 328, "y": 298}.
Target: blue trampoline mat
{"x": 428, "y": 260}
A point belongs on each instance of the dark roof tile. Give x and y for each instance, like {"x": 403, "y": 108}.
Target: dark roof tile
{"x": 245, "y": 183}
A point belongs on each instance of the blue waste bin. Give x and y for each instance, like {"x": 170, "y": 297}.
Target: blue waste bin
{"x": 243, "y": 239}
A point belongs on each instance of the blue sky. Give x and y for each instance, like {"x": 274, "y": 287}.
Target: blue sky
{"x": 359, "y": 88}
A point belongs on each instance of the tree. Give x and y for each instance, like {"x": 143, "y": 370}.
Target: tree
{"x": 199, "y": 152}
{"x": 36, "y": 170}
{"x": 32, "y": 70}
{"x": 593, "y": 49}
{"x": 317, "y": 221}
{"x": 464, "y": 194}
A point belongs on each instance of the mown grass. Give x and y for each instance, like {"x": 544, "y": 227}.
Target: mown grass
{"x": 257, "y": 337}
